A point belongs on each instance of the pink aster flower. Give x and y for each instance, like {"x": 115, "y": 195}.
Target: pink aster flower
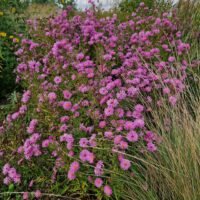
{"x": 103, "y": 91}
{"x": 73, "y": 77}
{"x": 172, "y": 100}
{"x": 117, "y": 139}
{"x": 52, "y": 96}
{"x": 80, "y": 56}
{"x": 6, "y": 168}
{"x": 139, "y": 123}
{"x": 107, "y": 57}
{"x": 151, "y": 147}
{"x": 23, "y": 109}
{"x": 123, "y": 145}
{"x": 112, "y": 103}
{"x": 25, "y": 195}
{"x": 110, "y": 86}
{"x": 102, "y": 124}
{"x": 71, "y": 175}
{"x": 17, "y": 178}
{"x": 125, "y": 164}
{"x": 37, "y": 194}
{"x": 132, "y": 91}
{"x": 20, "y": 149}
{"x": 57, "y": 79}
{"x": 132, "y": 136}
{"x": 139, "y": 108}
{"x": 166, "y": 90}
{"x": 98, "y": 170}
{"x": 74, "y": 166}
{"x": 98, "y": 182}
{"x": 26, "y": 96}
{"x": 32, "y": 126}
{"x": 121, "y": 95}
{"x": 90, "y": 158}
{"x": 83, "y": 142}
{"x": 107, "y": 190}
{"x": 108, "y": 111}
{"x": 129, "y": 125}
{"x": 69, "y": 145}
{"x": 120, "y": 112}
{"x": 85, "y": 103}
{"x": 67, "y": 94}
{"x": 63, "y": 128}
{"x": 31, "y": 183}
{"x": 46, "y": 143}
{"x": 7, "y": 180}
{"x": 171, "y": 59}
{"x": 67, "y": 105}
{"x": 64, "y": 119}
{"x": 86, "y": 155}
{"x": 83, "y": 88}
{"x": 108, "y": 134}
{"x": 15, "y": 115}
{"x": 12, "y": 172}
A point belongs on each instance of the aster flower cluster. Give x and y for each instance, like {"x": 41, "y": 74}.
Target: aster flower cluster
{"x": 11, "y": 174}
{"x": 88, "y": 79}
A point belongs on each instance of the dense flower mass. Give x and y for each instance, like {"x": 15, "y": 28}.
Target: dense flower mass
{"x": 91, "y": 83}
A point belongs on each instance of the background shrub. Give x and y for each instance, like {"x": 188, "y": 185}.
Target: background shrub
{"x": 127, "y": 6}
{"x": 12, "y": 23}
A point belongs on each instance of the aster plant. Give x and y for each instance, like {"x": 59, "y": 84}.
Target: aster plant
{"x": 90, "y": 87}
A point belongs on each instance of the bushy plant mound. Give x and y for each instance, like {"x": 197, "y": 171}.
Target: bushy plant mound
{"x": 91, "y": 84}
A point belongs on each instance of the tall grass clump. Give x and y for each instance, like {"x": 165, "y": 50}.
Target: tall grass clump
{"x": 90, "y": 88}
{"x": 179, "y": 164}
{"x": 188, "y": 12}
{"x": 174, "y": 171}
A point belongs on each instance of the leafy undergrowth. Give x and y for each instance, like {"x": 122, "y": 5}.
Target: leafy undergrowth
{"x": 92, "y": 85}
{"x": 11, "y": 25}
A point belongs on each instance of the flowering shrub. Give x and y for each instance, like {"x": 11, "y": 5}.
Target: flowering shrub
{"x": 91, "y": 84}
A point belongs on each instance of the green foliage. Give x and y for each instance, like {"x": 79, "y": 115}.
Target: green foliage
{"x": 40, "y": 1}
{"x": 62, "y": 2}
{"x": 66, "y": 3}
{"x": 11, "y": 24}
{"x": 8, "y": 63}
{"x": 131, "y": 5}
{"x": 128, "y": 6}
{"x": 9, "y": 105}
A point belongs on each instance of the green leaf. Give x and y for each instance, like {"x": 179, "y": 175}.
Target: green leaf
{"x": 11, "y": 188}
